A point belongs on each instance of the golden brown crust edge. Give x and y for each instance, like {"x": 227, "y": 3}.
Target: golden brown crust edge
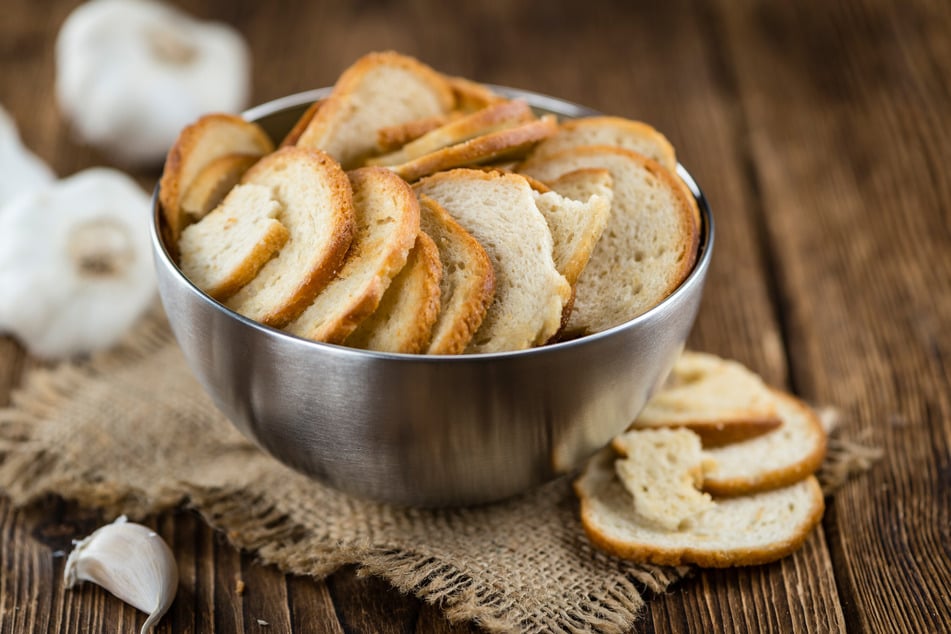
{"x": 338, "y": 242}
{"x": 171, "y": 188}
{"x": 647, "y": 553}
{"x": 429, "y": 312}
{"x": 479, "y": 298}
{"x": 780, "y": 477}
{"x": 337, "y": 330}
{"x": 352, "y": 76}
{"x": 292, "y": 137}
{"x": 260, "y": 255}
{"x": 487, "y": 147}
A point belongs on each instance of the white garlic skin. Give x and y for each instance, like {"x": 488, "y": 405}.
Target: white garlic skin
{"x": 130, "y": 74}
{"x": 20, "y": 169}
{"x": 132, "y": 562}
{"x": 75, "y": 263}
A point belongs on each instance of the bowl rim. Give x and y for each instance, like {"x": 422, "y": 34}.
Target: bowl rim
{"x": 560, "y": 107}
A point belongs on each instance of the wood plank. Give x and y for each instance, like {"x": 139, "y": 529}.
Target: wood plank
{"x": 847, "y": 106}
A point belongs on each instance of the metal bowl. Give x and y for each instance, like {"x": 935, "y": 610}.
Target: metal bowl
{"x": 427, "y": 430}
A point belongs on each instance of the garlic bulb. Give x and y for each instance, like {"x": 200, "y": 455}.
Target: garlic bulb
{"x": 132, "y": 562}
{"x": 20, "y": 169}
{"x": 75, "y": 263}
{"x": 130, "y": 74}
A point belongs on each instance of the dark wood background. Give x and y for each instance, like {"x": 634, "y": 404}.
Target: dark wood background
{"x": 821, "y": 132}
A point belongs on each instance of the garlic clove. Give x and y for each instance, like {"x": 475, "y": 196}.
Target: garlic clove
{"x": 132, "y": 562}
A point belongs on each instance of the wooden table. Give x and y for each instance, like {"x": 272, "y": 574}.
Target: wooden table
{"x": 821, "y": 133}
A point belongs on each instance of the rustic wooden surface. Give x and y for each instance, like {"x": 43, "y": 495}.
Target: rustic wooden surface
{"x": 821, "y": 133}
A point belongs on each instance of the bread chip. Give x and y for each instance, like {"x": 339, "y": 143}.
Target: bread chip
{"x": 213, "y": 183}
{"x": 467, "y": 284}
{"x": 379, "y": 90}
{"x": 319, "y": 216}
{"x": 471, "y": 96}
{"x": 648, "y": 247}
{"x": 499, "y": 211}
{"x": 779, "y": 458}
{"x": 404, "y": 320}
{"x": 292, "y": 137}
{"x": 387, "y": 223}
{"x": 613, "y": 131}
{"x": 392, "y": 138}
{"x": 740, "y": 531}
{"x": 209, "y": 138}
{"x": 720, "y": 400}
{"x": 226, "y": 249}
{"x": 662, "y": 469}
{"x": 482, "y": 149}
{"x": 499, "y": 116}
{"x": 577, "y": 210}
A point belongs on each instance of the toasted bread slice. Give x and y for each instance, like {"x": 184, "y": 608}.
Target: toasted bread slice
{"x": 741, "y": 531}
{"x": 471, "y": 96}
{"x": 662, "y": 469}
{"x": 292, "y": 137}
{"x": 225, "y": 250}
{"x": 779, "y": 458}
{"x": 467, "y": 284}
{"x": 392, "y": 138}
{"x": 648, "y": 247}
{"x": 378, "y": 91}
{"x": 209, "y": 138}
{"x": 613, "y": 131}
{"x": 577, "y": 218}
{"x": 499, "y": 211}
{"x": 509, "y": 142}
{"x": 213, "y": 183}
{"x": 403, "y": 322}
{"x": 319, "y": 216}
{"x": 720, "y": 400}
{"x": 499, "y": 116}
{"x": 387, "y": 223}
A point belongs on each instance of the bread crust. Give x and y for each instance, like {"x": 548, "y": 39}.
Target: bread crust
{"x": 343, "y": 318}
{"x": 292, "y": 137}
{"x": 778, "y": 476}
{"x": 590, "y": 485}
{"x": 688, "y": 232}
{"x": 403, "y": 322}
{"x": 213, "y": 183}
{"x": 333, "y": 113}
{"x": 487, "y": 147}
{"x": 560, "y": 287}
{"x": 499, "y": 116}
{"x": 188, "y": 156}
{"x": 572, "y": 128}
{"x": 392, "y": 138}
{"x": 454, "y": 328}
{"x": 470, "y": 95}
{"x": 338, "y": 231}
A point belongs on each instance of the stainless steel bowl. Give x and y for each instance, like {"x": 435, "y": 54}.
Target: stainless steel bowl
{"x": 421, "y": 430}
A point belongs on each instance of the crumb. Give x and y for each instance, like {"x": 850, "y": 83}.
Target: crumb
{"x": 238, "y": 586}
{"x": 263, "y": 623}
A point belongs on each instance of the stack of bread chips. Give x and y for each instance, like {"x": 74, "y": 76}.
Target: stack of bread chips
{"x": 717, "y": 471}
{"x": 414, "y": 212}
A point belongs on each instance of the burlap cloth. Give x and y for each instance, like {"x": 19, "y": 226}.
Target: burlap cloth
{"x": 131, "y": 431}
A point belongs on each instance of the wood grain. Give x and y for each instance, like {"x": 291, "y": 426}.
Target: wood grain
{"x": 863, "y": 166}
{"x": 820, "y": 133}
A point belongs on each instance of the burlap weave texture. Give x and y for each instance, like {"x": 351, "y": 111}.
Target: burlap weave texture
{"x": 132, "y": 432}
